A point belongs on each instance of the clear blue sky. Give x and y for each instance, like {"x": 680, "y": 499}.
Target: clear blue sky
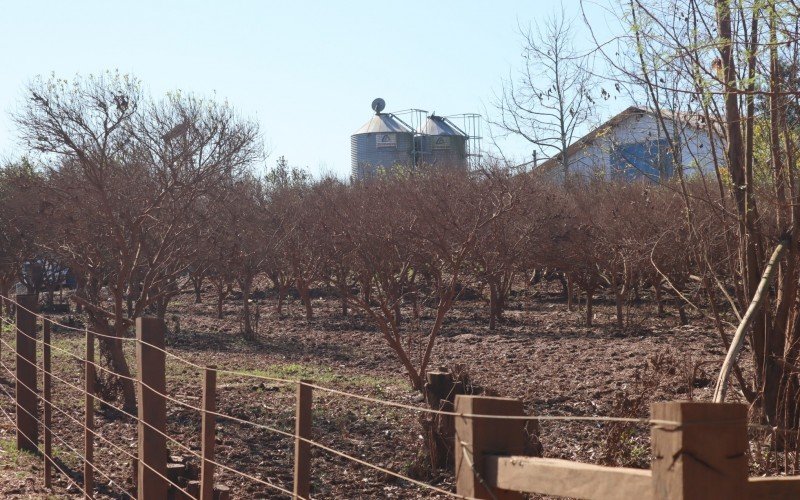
{"x": 307, "y": 71}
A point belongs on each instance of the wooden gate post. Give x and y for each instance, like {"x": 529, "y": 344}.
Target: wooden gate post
{"x": 703, "y": 455}
{"x": 27, "y": 426}
{"x": 88, "y": 432}
{"x": 152, "y": 409}
{"x": 302, "y": 449}
{"x": 208, "y": 433}
{"x": 48, "y": 405}
{"x": 477, "y": 437}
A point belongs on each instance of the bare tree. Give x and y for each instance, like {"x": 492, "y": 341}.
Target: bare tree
{"x": 125, "y": 175}
{"x": 391, "y": 229}
{"x": 722, "y": 57}
{"x": 550, "y": 98}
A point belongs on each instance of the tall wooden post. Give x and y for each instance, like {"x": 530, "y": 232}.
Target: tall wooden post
{"x": 302, "y": 449}
{"x": 27, "y": 426}
{"x": 88, "y": 432}
{"x": 152, "y": 410}
{"x": 48, "y": 405}
{"x": 208, "y": 431}
{"x": 703, "y": 455}
{"x": 477, "y": 437}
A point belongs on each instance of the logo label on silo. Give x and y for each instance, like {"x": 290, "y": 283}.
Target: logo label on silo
{"x": 441, "y": 143}
{"x": 386, "y": 140}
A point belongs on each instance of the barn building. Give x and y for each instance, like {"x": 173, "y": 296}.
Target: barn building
{"x": 633, "y": 145}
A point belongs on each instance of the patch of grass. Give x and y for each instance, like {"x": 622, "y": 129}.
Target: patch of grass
{"x": 325, "y": 375}
{"x": 10, "y": 452}
{"x": 7, "y": 327}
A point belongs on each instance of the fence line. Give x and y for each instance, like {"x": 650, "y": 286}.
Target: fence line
{"x": 585, "y": 418}
{"x": 47, "y": 457}
{"x": 66, "y": 414}
{"x": 301, "y": 437}
{"x": 589, "y": 418}
{"x": 63, "y": 441}
{"x": 166, "y": 352}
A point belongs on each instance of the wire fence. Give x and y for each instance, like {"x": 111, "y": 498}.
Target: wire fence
{"x": 209, "y": 415}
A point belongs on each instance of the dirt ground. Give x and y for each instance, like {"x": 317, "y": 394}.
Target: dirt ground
{"x": 542, "y": 354}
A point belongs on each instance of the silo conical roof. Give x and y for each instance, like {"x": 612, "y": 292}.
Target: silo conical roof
{"x": 439, "y": 125}
{"x": 382, "y": 123}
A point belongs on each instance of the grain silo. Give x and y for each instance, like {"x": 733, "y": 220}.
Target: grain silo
{"x": 441, "y": 143}
{"x": 382, "y": 143}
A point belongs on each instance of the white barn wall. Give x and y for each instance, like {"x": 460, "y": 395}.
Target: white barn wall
{"x": 595, "y": 158}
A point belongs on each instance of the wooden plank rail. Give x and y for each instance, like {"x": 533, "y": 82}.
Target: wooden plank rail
{"x": 699, "y": 453}
{"x": 551, "y": 476}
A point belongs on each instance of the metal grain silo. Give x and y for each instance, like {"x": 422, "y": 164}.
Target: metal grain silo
{"x": 441, "y": 143}
{"x": 382, "y": 143}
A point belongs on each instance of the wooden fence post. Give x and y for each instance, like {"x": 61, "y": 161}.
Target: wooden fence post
{"x": 88, "y": 432}
{"x": 48, "y": 406}
{"x": 208, "y": 431}
{"x": 302, "y": 449}
{"x": 703, "y": 455}
{"x": 477, "y": 437}
{"x": 152, "y": 409}
{"x": 27, "y": 426}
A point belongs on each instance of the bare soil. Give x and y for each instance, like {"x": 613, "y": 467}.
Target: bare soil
{"x": 542, "y": 353}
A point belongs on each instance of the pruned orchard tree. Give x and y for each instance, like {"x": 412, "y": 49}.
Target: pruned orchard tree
{"x": 299, "y": 235}
{"x": 19, "y": 193}
{"x": 241, "y": 238}
{"x": 423, "y": 222}
{"x": 125, "y": 173}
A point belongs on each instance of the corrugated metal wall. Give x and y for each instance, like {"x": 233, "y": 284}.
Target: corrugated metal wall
{"x": 366, "y": 156}
{"x": 442, "y": 150}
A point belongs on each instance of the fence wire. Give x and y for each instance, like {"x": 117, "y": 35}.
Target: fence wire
{"x": 257, "y": 425}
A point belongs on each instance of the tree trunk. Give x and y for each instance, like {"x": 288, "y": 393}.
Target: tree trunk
{"x": 343, "y": 300}
{"x": 220, "y": 298}
{"x": 398, "y": 317}
{"x": 247, "y": 326}
{"x": 564, "y": 285}
{"x": 112, "y": 348}
{"x": 342, "y": 288}
{"x": 282, "y": 291}
{"x": 197, "y": 283}
{"x": 658, "y": 298}
{"x": 570, "y": 293}
{"x": 366, "y": 291}
{"x": 589, "y": 303}
{"x": 492, "y": 305}
{"x": 767, "y": 342}
{"x": 684, "y": 318}
{"x": 619, "y": 299}
{"x": 79, "y": 284}
{"x": 161, "y": 311}
{"x": 620, "y": 290}
{"x": 305, "y": 297}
